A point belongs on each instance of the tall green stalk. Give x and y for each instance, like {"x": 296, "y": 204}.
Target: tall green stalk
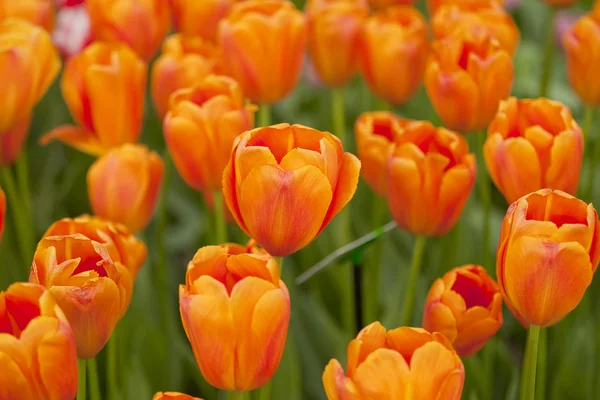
{"x": 548, "y": 53}
{"x": 111, "y": 365}
{"x": 594, "y": 143}
{"x": 415, "y": 267}
{"x": 81, "y": 389}
{"x": 161, "y": 273}
{"x": 530, "y": 364}
{"x": 264, "y": 115}
{"x": 237, "y": 395}
{"x": 371, "y": 269}
{"x": 542, "y": 365}
{"x": 485, "y": 195}
{"x": 22, "y": 169}
{"x": 220, "y": 221}
{"x": 94, "y": 381}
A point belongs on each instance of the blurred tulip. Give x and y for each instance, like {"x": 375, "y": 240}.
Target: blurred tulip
{"x": 28, "y": 65}
{"x": 38, "y": 12}
{"x": 2, "y": 211}
{"x": 173, "y": 396}
{"x": 543, "y": 133}
{"x": 334, "y": 28}
{"x": 404, "y": 363}
{"x": 235, "y": 311}
{"x": 547, "y": 255}
{"x": 104, "y": 88}
{"x": 12, "y": 142}
{"x": 430, "y": 175}
{"x": 37, "y": 346}
{"x": 201, "y": 126}
{"x": 263, "y": 44}
{"x": 393, "y": 54}
{"x": 200, "y": 18}
{"x": 284, "y": 184}
{"x": 92, "y": 290}
{"x": 120, "y": 244}
{"x": 435, "y": 5}
{"x": 123, "y": 185}
{"x": 379, "y": 4}
{"x": 466, "y": 306}
{"x": 141, "y": 24}
{"x": 73, "y": 30}
{"x": 467, "y": 76}
{"x": 184, "y": 62}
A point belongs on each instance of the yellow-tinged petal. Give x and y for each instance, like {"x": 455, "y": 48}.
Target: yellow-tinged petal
{"x": 372, "y": 383}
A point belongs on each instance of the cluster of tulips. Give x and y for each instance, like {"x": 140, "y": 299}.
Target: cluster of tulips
{"x": 283, "y": 184}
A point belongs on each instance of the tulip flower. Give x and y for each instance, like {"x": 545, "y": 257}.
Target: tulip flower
{"x": 28, "y": 64}
{"x": 403, "y": 363}
{"x": 123, "y": 185}
{"x": 333, "y": 38}
{"x": 547, "y": 255}
{"x": 72, "y": 31}
{"x": 200, "y": 129}
{"x": 2, "y": 211}
{"x": 466, "y": 306}
{"x": 379, "y": 4}
{"x": 235, "y": 311}
{"x": 435, "y": 5}
{"x": 467, "y": 76}
{"x": 37, "y": 346}
{"x": 184, "y": 62}
{"x": 92, "y": 290}
{"x": 430, "y": 175}
{"x": 284, "y": 184}
{"x": 544, "y": 133}
{"x": 38, "y": 12}
{"x": 173, "y": 396}
{"x": 12, "y": 142}
{"x": 120, "y": 244}
{"x": 141, "y": 24}
{"x": 393, "y": 53}
{"x": 262, "y": 44}
{"x": 200, "y": 18}
{"x": 102, "y": 77}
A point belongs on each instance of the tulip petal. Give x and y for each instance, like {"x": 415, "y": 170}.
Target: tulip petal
{"x": 439, "y": 318}
{"x": 369, "y": 339}
{"x": 346, "y": 186}
{"x": 430, "y": 365}
{"x": 79, "y": 138}
{"x": 391, "y": 385}
{"x": 13, "y": 381}
{"x": 565, "y": 162}
{"x": 337, "y": 386}
{"x": 452, "y": 387}
{"x": 474, "y": 336}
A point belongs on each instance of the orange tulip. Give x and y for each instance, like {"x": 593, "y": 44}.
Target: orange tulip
{"x": 544, "y": 133}
{"x": 379, "y": 4}
{"x": 547, "y": 255}
{"x": 263, "y": 43}
{"x": 200, "y": 18}
{"x": 141, "y": 24}
{"x": 376, "y": 133}
{"x": 404, "y": 363}
{"x": 38, "y": 12}
{"x": 467, "y": 76}
{"x": 37, "y": 347}
{"x": 334, "y": 28}
{"x": 2, "y": 211}
{"x": 12, "y": 142}
{"x": 184, "y": 62}
{"x": 201, "y": 126}
{"x": 28, "y": 65}
{"x": 235, "y": 311}
{"x": 435, "y": 5}
{"x": 430, "y": 175}
{"x": 102, "y": 77}
{"x": 466, "y": 306}
{"x": 120, "y": 244}
{"x": 173, "y": 396}
{"x": 123, "y": 185}
{"x": 284, "y": 184}
{"x": 393, "y": 54}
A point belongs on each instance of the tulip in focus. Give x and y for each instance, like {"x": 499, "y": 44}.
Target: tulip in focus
{"x": 38, "y": 12}
{"x": 379, "y": 4}
{"x": 173, "y": 396}
{"x": 37, "y": 346}
{"x": 430, "y": 175}
{"x": 403, "y": 363}
{"x": 200, "y": 18}
{"x": 235, "y": 311}
{"x": 284, "y": 184}
{"x": 465, "y": 305}
{"x": 12, "y": 142}
{"x": 262, "y": 44}
{"x": 123, "y": 185}
{"x": 2, "y": 211}
{"x": 543, "y": 133}
{"x": 547, "y": 255}
{"x": 393, "y": 53}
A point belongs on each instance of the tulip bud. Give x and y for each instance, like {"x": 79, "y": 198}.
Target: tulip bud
{"x": 393, "y": 53}
{"x": 379, "y": 4}
{"x": 262, "y": 44}
{"x": 547, "y": 255}
{"x": 238, "y": 344}
{"x": 38, "y": 12}
{"x": 404, "y": 363}
{"x": 184, "y": 62}
{"x": 2, "y": 211}
{"x": 284, "y": 184}
{"x": 37, "y": 346}
{"x": 173, "y": 396}
{"x": 123, "y": 185}
{"x": 102, "y": 77}
{"x": 12, "y": 142}
{"x": 430, "y": 175}
{"x": 544, "y": 133}
{"x": 466, "y": 306}
{"x": 200, "y": 18}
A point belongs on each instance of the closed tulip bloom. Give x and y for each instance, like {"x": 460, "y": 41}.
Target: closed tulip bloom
{"x": 379, "y": 4}
{"x": 262, "y": 44}
{"x": 102, "y": 77}
{"x": 544, "y": 133}
{"x": 37, "y": 346}
{"x": 284, "y": 184}
{"x": 435, "y": 5}
{"x": 403, "y": 363}
{"x": 393, "y": 54}
{"x": 173, "y": 396}
{"x": 12, "y": 141}
{"x": 38, "y": 12}
{"x": 200, "y": 18}
{"x": 547, "y": 255}
{"x": 467, "y": 76}
{"x": 92, "y": 290}
{"x": 123, "y": 185}
{"x": 184, "y": 62}
{"x": 235, "y": 311}
{"x": 2, "y": 211}
{"x": 466, "y": 306}
{"x": 430, "y": 175}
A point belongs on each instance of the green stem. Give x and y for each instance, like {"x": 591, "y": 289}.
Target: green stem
{"x": 265, "y": 392}
{"x": 23, "y": 179}
{"x": 237, "y": 395}
{"x": 264, "y": 115}
{"x": 595, "y": 152}
{"x": 161, "y": 268}
{"x": 548, "y": 53}
{"x": 92, "y": 367}
{"x": 415, "y": 266}
{"x": 370, "y": 270}
{"x": 530, "y": 364}
{"x": 382, "y": 105}
{"x": 541, "y": 361}
{"x": 82, "y": 383}
{"x": 220, "y": 222}
{"x": 485, "y": 195}
{"x": 338, "y": 114}
{"x": 111, "y": 364}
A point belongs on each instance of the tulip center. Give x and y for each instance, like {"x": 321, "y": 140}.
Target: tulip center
{"x": 91, "y": 263}
{"x": 17, "y": 314}
{"x": 474, "y": 293}
{"x": 383, "y": 128}
{"x": 557, "y": 209}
